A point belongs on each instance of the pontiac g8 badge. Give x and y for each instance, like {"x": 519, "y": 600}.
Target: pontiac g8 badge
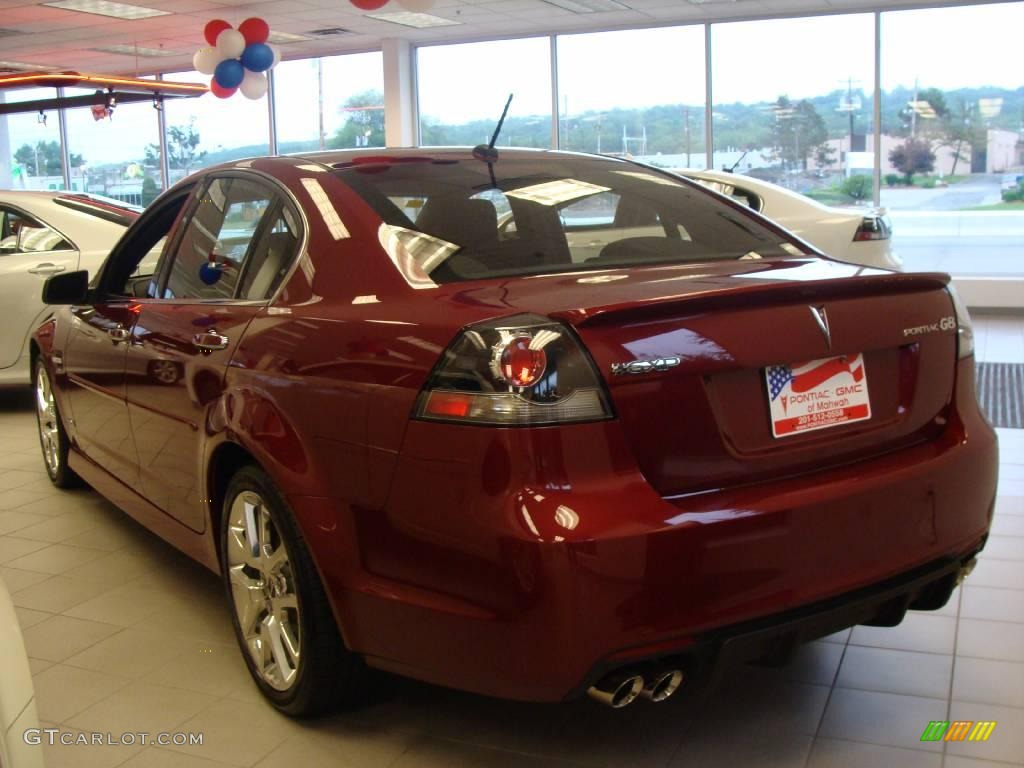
{"x": 646, "y": 366}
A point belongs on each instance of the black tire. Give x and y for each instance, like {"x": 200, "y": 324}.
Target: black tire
{"x": 327, "y": 675}
{"x": 50, "y": 425}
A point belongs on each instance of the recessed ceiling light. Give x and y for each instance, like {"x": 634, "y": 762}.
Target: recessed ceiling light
{"x": 138, "y": 50}
{"x": 283, "y": 38}
{"x": 24, "y": 65}
{"x": 589, "y": 6}
{"x": 410, "y": 19}
{"x": 108, "y": 8}
{"x": 329, "y": 31}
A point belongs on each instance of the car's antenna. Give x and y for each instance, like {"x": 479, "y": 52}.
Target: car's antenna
{"x": 734, "y": 165}
{"x": 486, "y": 152}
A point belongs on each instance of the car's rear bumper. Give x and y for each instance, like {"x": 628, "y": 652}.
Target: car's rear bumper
{"x": 525, "y": 578}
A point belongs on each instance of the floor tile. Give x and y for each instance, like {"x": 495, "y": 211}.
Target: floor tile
{"x": 14, "y": 520}
{"x": 142, "y": 707}
{"x": 992, "y": 572}
{"x": 63, "y": 691}
{"x": 12, "y": 548}
{"x": 887, "y": 719}
{"x": 990, "y": 640}
{"x": 157, "y": 757}
{"x": 989, "y": 681}
{"x": 58, "y": 593}
{"x": 1003, "y": 548}
{"x": 1008, "y": 525}
{"x": 60, "y": 637}
{"x": 832, "y": 753}
{"x": 924, "y": 632}
{"x": 57, "y": 529}
{"x": 893, "y": 671}
{"x": 54, "y": 559}
{"x": 340, "y": 744}
{"x": 427, "y": 752}
{"x": 700, "y": 749}
{"x": 17, "y": 580}
{"x": 75, "y": 754}
{"x": 217, "y": 670}
{"x": 993, "y": 604}
{"x": 131, "y": 653}
{"x": 236, "y": 732}
{"x": 1007, "y": 740}
{"x": 763, "y": 712}
{"x": 954, "y": 761}
{"x": 29, "y": 618}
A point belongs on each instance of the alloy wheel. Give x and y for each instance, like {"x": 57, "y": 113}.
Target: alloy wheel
{"x": 263, "y": 590}
{"x": 46, "y": 411}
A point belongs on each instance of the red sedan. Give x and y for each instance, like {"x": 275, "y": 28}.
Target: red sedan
{"x": 530, "y": 424}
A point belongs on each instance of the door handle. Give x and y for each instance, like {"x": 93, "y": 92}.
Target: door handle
{"x": 209, "y": 341}
{"x": 46, "y": 268}
{"x": 119, "y": 334}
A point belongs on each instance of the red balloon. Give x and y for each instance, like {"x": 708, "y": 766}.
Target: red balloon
{"x": 254, "y": 30}
{"x": 214, "y": 28}
{"x": 369, "y": 5}
{"x": 220, "y": 91}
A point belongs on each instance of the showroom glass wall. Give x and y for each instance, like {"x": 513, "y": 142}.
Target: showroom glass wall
{"x": 30, "y": 146}
{"x": 638, "y": 92}
{"x": 116, "y": 156}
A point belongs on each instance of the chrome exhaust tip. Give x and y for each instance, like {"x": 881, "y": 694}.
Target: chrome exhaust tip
{"x": 662, "y": 684}
{"x": 965, "y": 570}
{"x": 617, "y": 690}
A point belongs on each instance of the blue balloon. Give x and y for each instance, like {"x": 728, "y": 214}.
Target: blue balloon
{"x": 229, "y": 73}
{"x": 210, "y": 273}
{"x": 257, "y": 57}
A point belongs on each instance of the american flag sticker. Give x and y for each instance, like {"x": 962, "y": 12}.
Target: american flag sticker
{"x": 817, "y": 395}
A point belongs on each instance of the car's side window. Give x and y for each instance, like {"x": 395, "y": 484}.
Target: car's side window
{"x": 272, "y": 255}
{"x": 20, "y": 233}
{"x": 226, "y": 228}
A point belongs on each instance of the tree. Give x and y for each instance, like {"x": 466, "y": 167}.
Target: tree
{"x": 798, "y": 130}
{"x": 182, "y": 148}
{"x": 364, "y": 124}
{"x": 44, "y": 158}
{"x": 149, "y": 190}
{"x": 824, "y": 155}
{"x": 913, "y": 156}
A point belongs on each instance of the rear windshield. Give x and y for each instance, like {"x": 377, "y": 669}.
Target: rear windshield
{"x": 548, "y": 214}
{"x": 106, "y": 209}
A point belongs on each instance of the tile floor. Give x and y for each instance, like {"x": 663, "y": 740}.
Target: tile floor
{"x": 127, "y": 635}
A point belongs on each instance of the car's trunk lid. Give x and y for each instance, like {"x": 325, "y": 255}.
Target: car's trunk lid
{"x": 699, "y": 416}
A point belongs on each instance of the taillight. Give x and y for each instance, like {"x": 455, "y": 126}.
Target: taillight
{"x": 964, "y": 328}
{"x": 519, "y": 371}
{"x": 873, "y": 228}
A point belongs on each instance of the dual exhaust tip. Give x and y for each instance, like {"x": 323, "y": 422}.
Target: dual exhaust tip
{"x": 623, "y": 687}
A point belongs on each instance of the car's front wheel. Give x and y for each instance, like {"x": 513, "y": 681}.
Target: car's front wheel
{"x": 282, "y": 618}
{"x": 52, "y": 437}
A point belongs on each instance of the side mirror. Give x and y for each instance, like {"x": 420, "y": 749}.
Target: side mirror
{"x": 67, "y": 288}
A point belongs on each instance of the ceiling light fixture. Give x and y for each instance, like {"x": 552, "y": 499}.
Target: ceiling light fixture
{"x": 410, "y": 19}
{"x": 588, "y": 6}
{"x": 283, "y": 38}
{"x": 133, "y": 50}
{"x": 108, "y": 8}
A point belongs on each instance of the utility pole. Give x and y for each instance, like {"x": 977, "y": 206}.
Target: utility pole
{"x": 687, "y": 111}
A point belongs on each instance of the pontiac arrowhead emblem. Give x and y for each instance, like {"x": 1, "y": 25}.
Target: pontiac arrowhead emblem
{"x": 822, "y": 320}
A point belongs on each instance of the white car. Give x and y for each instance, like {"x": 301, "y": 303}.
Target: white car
{"x": 17, "y": 698}
{"x": 848, "y": 234}
{"x": 41, "y": 234}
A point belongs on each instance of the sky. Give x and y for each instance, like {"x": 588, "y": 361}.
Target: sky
{"x": 753, "y": 62}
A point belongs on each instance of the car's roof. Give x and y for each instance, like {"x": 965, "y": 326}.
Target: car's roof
{"x": 88, "y": 232}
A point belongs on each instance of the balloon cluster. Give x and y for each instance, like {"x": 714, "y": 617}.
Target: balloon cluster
{"x": 238, "y": 58}
{"x": 416, "y": 6}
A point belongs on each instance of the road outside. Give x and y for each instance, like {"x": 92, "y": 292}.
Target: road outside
{"x": 932, "y": 232}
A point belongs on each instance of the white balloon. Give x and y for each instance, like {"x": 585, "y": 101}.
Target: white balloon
{"x": 230, "y": 43}
{"x": 254, "y": 85}
{"x": 416, "y": 6}
{"x": 277, "y": 56}
{"x": 206, "y": 60}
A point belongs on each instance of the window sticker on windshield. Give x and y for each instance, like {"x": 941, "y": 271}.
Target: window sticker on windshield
{"x": 817, "y": 395}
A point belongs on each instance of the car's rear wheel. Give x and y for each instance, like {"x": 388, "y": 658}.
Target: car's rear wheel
{"x": 52, "y": 438}
{"x": 282, "y": 618}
